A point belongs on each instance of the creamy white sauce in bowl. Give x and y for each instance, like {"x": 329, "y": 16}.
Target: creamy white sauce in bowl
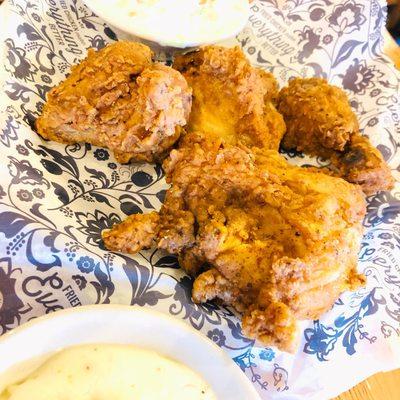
{"x": 175, "y": 23}
{"x": 109, "y": 371}
{"x": 150, "y": 337}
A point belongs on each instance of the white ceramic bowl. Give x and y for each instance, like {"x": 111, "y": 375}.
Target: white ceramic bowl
{"x": 168, "y": 33}
{"x": 124, "y": 325}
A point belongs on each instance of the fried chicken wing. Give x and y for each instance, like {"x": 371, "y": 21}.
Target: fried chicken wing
{"x": 117, "y": 98}
{"x": 277, "y": 242}
{"x": 362, "y": 163}
{"x": 231, "y": 99}
{"x": 320, "y": 122}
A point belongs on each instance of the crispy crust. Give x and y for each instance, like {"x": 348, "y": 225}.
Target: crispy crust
{"x": 135, "y": 233}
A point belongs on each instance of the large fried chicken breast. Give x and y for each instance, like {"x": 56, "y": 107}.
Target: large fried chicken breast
{"x": 277, "y": 242}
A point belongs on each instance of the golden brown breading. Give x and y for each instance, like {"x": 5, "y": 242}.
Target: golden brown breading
{"x": 117, "y": 98}
{"x": 231, "y": 99}
{"x": 318, "y": 116}
{"x": 320, "y": 122}
{"x": 277, "y": 242}
{"x": 133, "y": 234}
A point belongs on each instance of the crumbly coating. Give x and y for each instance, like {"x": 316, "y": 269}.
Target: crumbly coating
{"x": 117, "y": 98}
{"x": 232, "y": 100}
{"x": 135, "y": 233}
{"x": 320, "y": 122}
{"x": 277, "y": 242}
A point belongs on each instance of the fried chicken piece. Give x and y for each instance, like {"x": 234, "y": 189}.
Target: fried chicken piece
{"x": 277, "y": 242}
{"x": 117, "y": 98}
{"x": 320, "y": 122}
{"x": 232, "y": 100}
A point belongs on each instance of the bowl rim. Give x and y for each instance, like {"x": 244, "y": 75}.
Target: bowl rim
{"x": 97, "y": 308}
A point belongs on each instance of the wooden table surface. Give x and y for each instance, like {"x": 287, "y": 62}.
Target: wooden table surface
{"x": 383, "y": 386}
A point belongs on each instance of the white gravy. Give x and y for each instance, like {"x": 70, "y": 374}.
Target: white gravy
{"x": 109, "y": 371}
{"x": 177, "y": 23}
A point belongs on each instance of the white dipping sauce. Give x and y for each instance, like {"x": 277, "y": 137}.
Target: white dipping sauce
{"x": 177, "y": 23}
{"x": 108, "y": 371}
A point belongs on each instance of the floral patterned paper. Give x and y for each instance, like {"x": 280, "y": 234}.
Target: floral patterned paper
{"x": 56, "y": 199}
